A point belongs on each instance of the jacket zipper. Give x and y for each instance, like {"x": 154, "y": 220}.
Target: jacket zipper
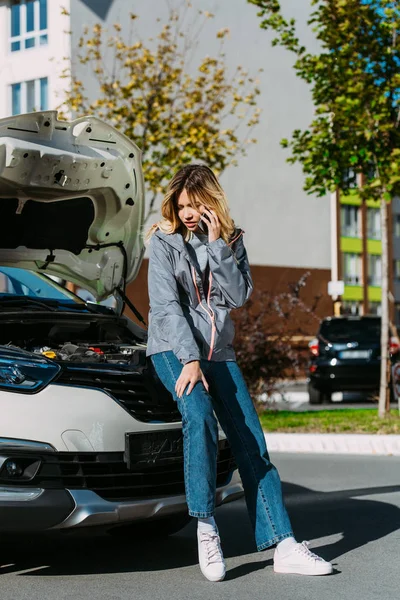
{"x": 211, "y": 313}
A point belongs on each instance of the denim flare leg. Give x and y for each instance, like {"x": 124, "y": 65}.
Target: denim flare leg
{"x": 230, "y": 400}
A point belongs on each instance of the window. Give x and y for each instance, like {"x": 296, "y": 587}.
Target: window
{"x": 370, "y": 172}
{"x": 29, "y": 96}
{"x": 28, "y": 24}
{"x": 373, "y": 223}
{"x": 374, "y": 270}
{"x": 352, "y": 271}
{"x": 375, "y": 308}
{"x": 14, "y": 281}
{"x": 350, "y": 221}
{"x": 396, "y": 269}
{"x": 349, "y": 179}
{"x": 397, "y": 226}
{"x": 351, "y": 308}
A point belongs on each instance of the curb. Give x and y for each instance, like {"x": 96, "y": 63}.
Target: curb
{"x": 334, "y": 443}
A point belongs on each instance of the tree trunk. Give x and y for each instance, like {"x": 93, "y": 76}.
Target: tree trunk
{"x": 384, "y": 386}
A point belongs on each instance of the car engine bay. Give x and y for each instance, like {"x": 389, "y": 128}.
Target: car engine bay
{"x": 81, "y": 339}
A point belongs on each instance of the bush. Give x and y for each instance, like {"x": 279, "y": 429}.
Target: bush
{"x": 271, "y": 336}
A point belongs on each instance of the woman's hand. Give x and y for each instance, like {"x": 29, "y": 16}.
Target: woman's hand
{"x": 212, "y": 222}
{"x": 190, "y": 374}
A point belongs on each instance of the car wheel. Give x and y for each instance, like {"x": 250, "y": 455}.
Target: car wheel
{"x": 157, "y": 528}
{"x": 316, "y": 396}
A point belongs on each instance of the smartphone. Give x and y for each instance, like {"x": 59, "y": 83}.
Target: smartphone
{"x": 204, "y": 224}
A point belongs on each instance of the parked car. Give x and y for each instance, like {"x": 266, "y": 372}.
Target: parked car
{"x": 345, "y": 357}
{"x": 88, "y": 435}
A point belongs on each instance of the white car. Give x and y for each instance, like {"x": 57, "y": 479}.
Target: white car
{"x": 88, "y": 434}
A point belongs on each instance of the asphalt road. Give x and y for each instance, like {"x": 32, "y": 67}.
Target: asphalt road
{"x": 347, "y": 506}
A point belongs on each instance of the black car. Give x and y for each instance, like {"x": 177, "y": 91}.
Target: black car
{"x": 345, "y": 357}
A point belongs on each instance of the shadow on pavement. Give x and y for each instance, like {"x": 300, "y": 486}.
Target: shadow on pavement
{"x": 314, "y": 515}
{"x": 319, "y": 514}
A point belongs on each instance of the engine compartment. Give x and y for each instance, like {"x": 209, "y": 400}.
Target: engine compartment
{"x": 96, "y": 351}
{"x": 78, "y": 339}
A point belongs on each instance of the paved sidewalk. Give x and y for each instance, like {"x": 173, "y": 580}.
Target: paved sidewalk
{"x": 334, "y": 443}
{"x": 293, "y": 395}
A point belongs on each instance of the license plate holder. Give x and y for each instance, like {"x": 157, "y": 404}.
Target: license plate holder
{"x": 355, "y": 354}
{"x": 154, "y": 448}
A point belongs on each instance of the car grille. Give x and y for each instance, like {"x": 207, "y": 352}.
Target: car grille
{"x": 139, "y": 392}
{"x": 107, "y": 474}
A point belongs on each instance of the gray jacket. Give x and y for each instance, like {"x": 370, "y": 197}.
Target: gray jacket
{"x": 181, "y": 318}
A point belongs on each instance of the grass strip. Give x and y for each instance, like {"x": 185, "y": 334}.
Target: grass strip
{"x": 330, "y": 421}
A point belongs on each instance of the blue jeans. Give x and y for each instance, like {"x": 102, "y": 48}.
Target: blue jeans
{"x": 229, "y": 398}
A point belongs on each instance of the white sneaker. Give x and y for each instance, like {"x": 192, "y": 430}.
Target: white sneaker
{"x": 211, "y": 560}
{"x": 302, "y": 561}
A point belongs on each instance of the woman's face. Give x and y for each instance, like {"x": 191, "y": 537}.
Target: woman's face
{"x": 187, "y": 214}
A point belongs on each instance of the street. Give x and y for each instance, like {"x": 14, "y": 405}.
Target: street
{"x": 347, "y": 506}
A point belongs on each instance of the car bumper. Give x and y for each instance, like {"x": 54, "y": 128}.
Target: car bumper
{"x": 92, "y": 510}
{"x": 45, "y": 510}
{"x": 70, "y": 490}
{"x": 72, "y": 509}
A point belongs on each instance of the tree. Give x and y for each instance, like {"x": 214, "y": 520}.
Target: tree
{"x": 151, "y": 92}
{"x": 355, "y": 85}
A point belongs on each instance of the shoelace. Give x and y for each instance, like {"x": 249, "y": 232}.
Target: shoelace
{"x": 211, "y": 542}
{"x": 304, "y": 550}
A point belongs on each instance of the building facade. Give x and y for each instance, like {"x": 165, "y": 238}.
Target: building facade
{"x": 287, "y": 231}
{"x": 36, "y": 48}
{"x": 357, "y": 228}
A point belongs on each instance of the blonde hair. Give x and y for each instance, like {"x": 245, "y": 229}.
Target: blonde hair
{"x": 202, "y": 187}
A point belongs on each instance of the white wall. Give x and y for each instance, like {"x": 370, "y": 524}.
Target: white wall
{"x": 34, "y": 63}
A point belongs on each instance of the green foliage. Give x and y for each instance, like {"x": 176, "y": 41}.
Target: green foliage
{"x": 330, "y": 421}
{"x": 355, "y": 83}
{"x": 174, "y": 112}
{"x": 270, "y": 332}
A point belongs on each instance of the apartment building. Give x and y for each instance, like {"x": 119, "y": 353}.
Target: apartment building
{"x": 36, "y": 47}
{"x": 287, "y": 231}
{"x": 357, "y": 228}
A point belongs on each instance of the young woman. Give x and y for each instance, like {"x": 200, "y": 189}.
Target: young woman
{"x": 198, "y": 272}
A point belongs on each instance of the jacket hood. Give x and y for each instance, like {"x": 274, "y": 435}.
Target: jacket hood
{"x": 71, "y": 200}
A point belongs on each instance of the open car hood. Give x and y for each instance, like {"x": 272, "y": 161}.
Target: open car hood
{"x": 71, "y": 200}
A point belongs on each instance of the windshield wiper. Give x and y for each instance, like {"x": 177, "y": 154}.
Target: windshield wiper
{"x": 25, "y": 300}
{"x": 51, "y": 304}
{"x": 77, "y": 306}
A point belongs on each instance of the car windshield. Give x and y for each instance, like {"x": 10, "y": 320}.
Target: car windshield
{"x": 343, "y": 330}
{"x": 16, "y": 282}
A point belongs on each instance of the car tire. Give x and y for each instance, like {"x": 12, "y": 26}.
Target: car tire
{"x": 316, "y": 396}
{"x": 155, "y": 529}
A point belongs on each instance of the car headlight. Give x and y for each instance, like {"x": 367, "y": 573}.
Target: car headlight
{"x": 24, "y": 372}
